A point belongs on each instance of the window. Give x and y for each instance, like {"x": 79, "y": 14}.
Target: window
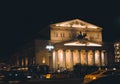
{"x": 70, "y": 35}
{"x": 55, "y": 34}
{"x": 62, "y": 35}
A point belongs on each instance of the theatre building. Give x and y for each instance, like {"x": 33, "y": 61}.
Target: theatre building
{"x": 68, "y": 43}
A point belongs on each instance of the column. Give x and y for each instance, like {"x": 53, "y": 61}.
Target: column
{"x": 51, "y": 59}
{"x": 106, "y": 61}
{"x": 26, "y": 61}
{"x": 71, "y": 59}
{"x": 87, "y": 57}
{"x": 100, "y": 58}
{"x": 83, "y": 57}
{"x": 79, "y": 57}
{"x": 94, "y": 57}
{"x": 56, "y": 59}
{"x": 103, "y": 58}
{"x": 64, "y": 58}
{"x": 22, "y": 61}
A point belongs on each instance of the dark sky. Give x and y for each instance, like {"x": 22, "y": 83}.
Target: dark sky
{"x": 21, "y": 21}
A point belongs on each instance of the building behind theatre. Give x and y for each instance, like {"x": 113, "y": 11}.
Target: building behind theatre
{"x": 74, "y": 41}
{"x": 117, "y": 51}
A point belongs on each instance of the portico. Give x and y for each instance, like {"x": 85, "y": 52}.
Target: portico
{"x": 66, "y": 58}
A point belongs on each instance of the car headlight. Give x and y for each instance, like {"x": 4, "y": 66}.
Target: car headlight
{"x": 16, "y": 74}
{"x": 94, "y": 78}
{"x": 29, "y": 76}
{"x": 48, "y": 76}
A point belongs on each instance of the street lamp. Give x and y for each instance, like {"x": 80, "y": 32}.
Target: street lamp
{"x": 50, "y": 47}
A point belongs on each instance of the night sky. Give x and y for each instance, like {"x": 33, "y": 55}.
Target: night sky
{"x": 21, "y": 21}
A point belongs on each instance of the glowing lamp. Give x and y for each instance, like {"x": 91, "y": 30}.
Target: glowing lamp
{"x": 49, "y": 47}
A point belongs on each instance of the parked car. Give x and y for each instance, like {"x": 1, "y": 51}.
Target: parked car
{"x": 14, "y": 76}
{"x": 56, "y": 75}
{"x": 98, "y": 74}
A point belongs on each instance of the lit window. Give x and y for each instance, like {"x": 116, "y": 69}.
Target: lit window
{"x": 117, "y": 47}
{"x": 43, "y": 60}
{"x": 117, "y": 44}
{"x": 118, "y": 52}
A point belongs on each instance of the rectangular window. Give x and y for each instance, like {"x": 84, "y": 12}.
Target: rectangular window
{"x": 55, "y": 34}
{"x": 70, "y": 35}
{"x": 62, "y": 34}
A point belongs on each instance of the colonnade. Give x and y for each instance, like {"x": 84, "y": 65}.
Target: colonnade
{"x": 68, "y": 58}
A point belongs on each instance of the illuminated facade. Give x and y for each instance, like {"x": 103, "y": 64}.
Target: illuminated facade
{"x": 73, "y": 41}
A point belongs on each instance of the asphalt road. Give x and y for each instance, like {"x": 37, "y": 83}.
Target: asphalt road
{"x": 60, "y": 81}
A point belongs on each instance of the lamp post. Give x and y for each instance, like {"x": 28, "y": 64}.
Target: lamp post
{"x": 50, "y": 47}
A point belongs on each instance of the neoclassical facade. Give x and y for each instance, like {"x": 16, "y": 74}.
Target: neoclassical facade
{"x": 69, "y": 42}
{"x": 74, "y": 41}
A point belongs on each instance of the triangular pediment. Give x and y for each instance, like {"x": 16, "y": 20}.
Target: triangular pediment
{"x": 77, "y": 23}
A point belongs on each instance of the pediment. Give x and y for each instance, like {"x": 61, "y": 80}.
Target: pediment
{"x": 77, "y": 23}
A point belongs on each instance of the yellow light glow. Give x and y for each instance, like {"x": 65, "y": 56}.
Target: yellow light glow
{"x": 94, "y": 78}
{"x": 73, "y": 25}
{"x": 90, "y": 26}
{"x": 117, "y": 44}
{"x": 81, "y": 44}
{"x": 48, "y": 76}
{"x": 43, "y": 60}
{"x": 26, "y": 61}
{"x": 93, "y": 44}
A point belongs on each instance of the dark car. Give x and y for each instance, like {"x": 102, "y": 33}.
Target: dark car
{"x": 14, "y": 76}
{"x": 56, "y": 75}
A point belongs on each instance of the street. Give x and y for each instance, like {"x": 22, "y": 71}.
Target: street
{"x": 58, "y": 81}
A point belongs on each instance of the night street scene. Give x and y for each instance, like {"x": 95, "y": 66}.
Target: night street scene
{"x": 60, "y": 42}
